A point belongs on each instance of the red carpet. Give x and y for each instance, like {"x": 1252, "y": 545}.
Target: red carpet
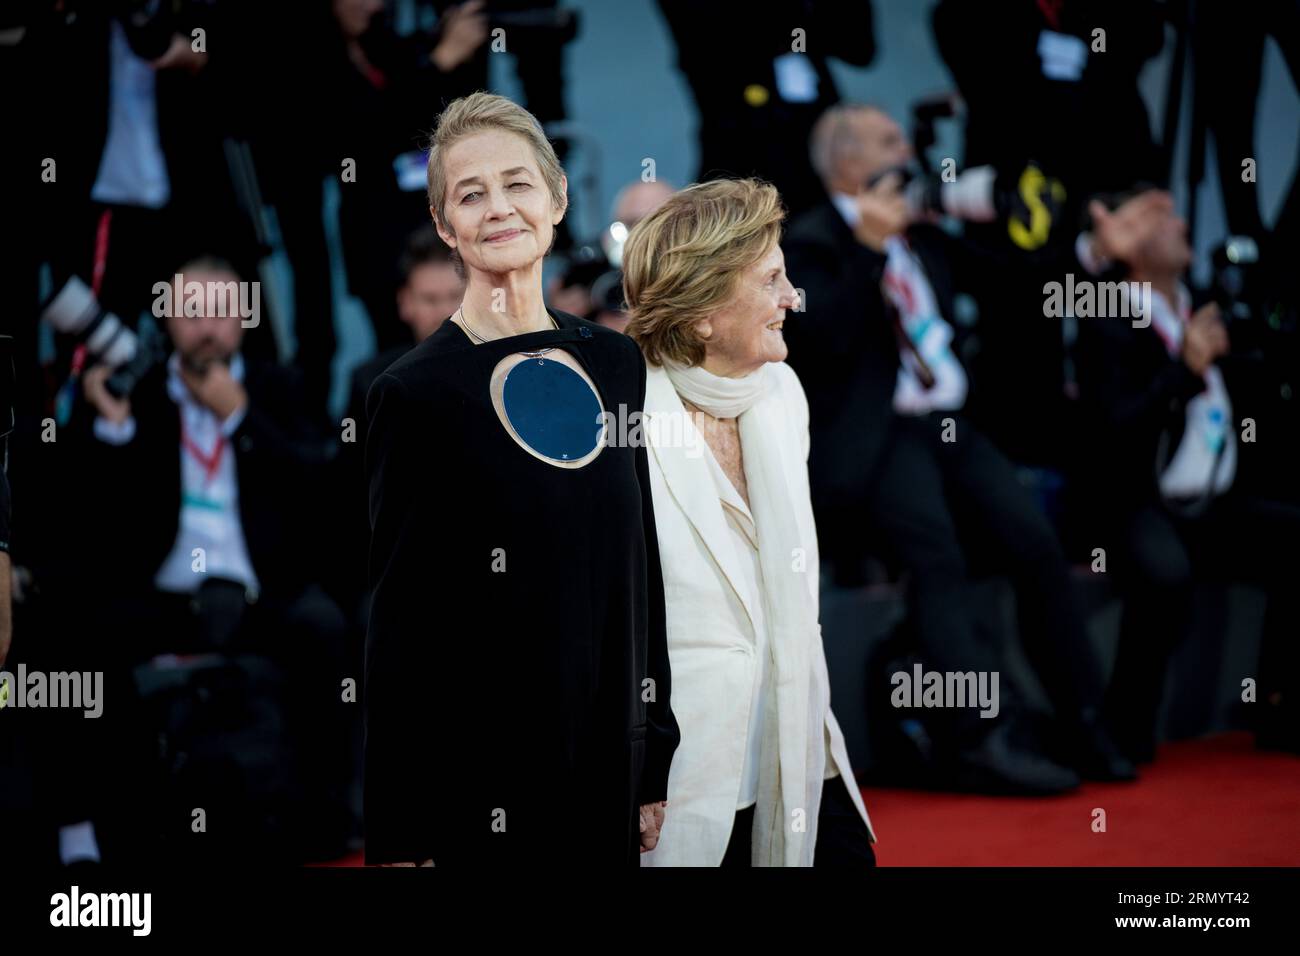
{"x": 1211, "y": 802}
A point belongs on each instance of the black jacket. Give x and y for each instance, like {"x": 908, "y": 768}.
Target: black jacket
{"x": 516, "y": 615}
{"x": 280, "y": 458}
{"x": 1133, "y": 393}
{"x": 349, "y": 584}
{"x": 1015, "y": 113}
{"x": 844, "y": 347}
{"x": 745, "y": 127}
{"x": 70, "y": 54}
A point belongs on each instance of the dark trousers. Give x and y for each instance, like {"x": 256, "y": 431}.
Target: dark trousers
{"x": 1161, "y": 555}
{"x": 936, "y": 502}
{"x": 842, "y": 837}
{"x": 105, "y": 768}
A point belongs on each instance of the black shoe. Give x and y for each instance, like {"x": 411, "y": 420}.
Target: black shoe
{"x": 1277, "y": 728}
{"x": 996, "y": 765}
{"x": 1135, "y": 738}
{"x": 1087, "y": 748}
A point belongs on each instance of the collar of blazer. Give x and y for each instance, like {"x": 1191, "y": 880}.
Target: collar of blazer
{"x": 686, "y": 472}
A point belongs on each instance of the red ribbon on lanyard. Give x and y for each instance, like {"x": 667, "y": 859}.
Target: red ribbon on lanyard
{"x": 64, "y": 397}
{"x": 96, "y": 281}
{"x": 210, "y": 462}
{"x": 1051, "y": 11}
{"x": 101, "y": 251}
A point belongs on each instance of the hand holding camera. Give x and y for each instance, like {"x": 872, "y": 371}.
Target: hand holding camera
{"x": 95, "y": 384}
{"x": 1205, "y": 338}
{"x": 882, "y": 212}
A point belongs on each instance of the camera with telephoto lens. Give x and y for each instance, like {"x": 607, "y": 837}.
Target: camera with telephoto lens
{"x": 1027, "y": 200}
{"x": 978, "y": 194}
{"x": 74, "y": 310}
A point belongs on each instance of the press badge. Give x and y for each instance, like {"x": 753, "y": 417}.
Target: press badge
{"x": 411, "y": 170}
{"x": 1063, "y": 56}
{"x": 796, "y": 80}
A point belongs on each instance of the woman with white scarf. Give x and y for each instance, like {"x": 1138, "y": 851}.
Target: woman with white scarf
{"x": 761, "y": 776}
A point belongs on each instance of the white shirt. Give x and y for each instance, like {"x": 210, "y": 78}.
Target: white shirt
{"x": 744, "y": 538}
{"x": 909, "y": 290}
{"x": 209, "y": 515}
{"x": 132, "y": 170}
{"x": 1208, "y": 425}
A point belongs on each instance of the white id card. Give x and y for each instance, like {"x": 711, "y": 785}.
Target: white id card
{"x": 411, "y": 171}
{"x": 796, "y": 80}
{"x": 1063, "y": 56}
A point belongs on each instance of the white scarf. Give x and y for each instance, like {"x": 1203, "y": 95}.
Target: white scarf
{"x": 791, "y": 612}
{"x": 720, "y": 397}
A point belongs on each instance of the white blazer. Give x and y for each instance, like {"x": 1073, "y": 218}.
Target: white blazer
{"x": 711, "y": 639}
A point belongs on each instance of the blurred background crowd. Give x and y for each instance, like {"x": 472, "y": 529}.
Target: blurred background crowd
{"x": 1055, "y": 493}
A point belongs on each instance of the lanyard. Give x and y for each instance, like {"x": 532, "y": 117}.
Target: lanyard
{"x": 1183, "y": 317}
{"x": 64, "y": 397}
{"x": 210, "y": 462}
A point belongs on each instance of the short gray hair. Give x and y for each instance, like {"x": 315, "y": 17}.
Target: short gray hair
{"x": 476, "y": 113}
{"x": 832, "y": 137}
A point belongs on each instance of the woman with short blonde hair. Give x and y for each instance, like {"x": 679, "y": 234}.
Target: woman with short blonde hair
{"x": 762, "y": 776}
{"x": 683, "y": 264}
{"x": 484, "y": 112}
{"x": 517, "y": 612}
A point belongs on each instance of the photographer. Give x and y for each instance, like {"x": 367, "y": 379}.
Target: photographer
{"x": 129, "y": 106}
{"x": 1055, "y": 83}
{"x": 893, "y": 455}
{"x": 364, "y": 96}
{"x": 205, "y": 479}
{"x": 367, "y": 95}
{"x": 755, "y": 115}
{"x": 1166, "y": 403}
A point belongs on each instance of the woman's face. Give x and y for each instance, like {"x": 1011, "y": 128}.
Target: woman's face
{"x": 746, "y": 333}
{"x": 498, "y": 206}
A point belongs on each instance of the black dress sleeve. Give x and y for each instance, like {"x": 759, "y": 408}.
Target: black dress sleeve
{"x": 400, "y": 778}
{"x": 662, "y": 732}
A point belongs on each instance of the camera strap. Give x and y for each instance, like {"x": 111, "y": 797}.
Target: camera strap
{"x": 63, "y": 400}
{"x": 101, "y": 251}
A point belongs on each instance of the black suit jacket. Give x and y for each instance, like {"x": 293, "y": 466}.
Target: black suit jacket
{"x": 280, "y": 457}
{"x": 1015, "y": 113}
{"x": 71, "y": 93}
{"x": 746, "y": 128}
{"x": 845, "y": 349}
{"x": 1133, "y": 392}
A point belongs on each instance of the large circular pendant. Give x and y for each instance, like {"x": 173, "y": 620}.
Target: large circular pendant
{"x": 549, "y": 408}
